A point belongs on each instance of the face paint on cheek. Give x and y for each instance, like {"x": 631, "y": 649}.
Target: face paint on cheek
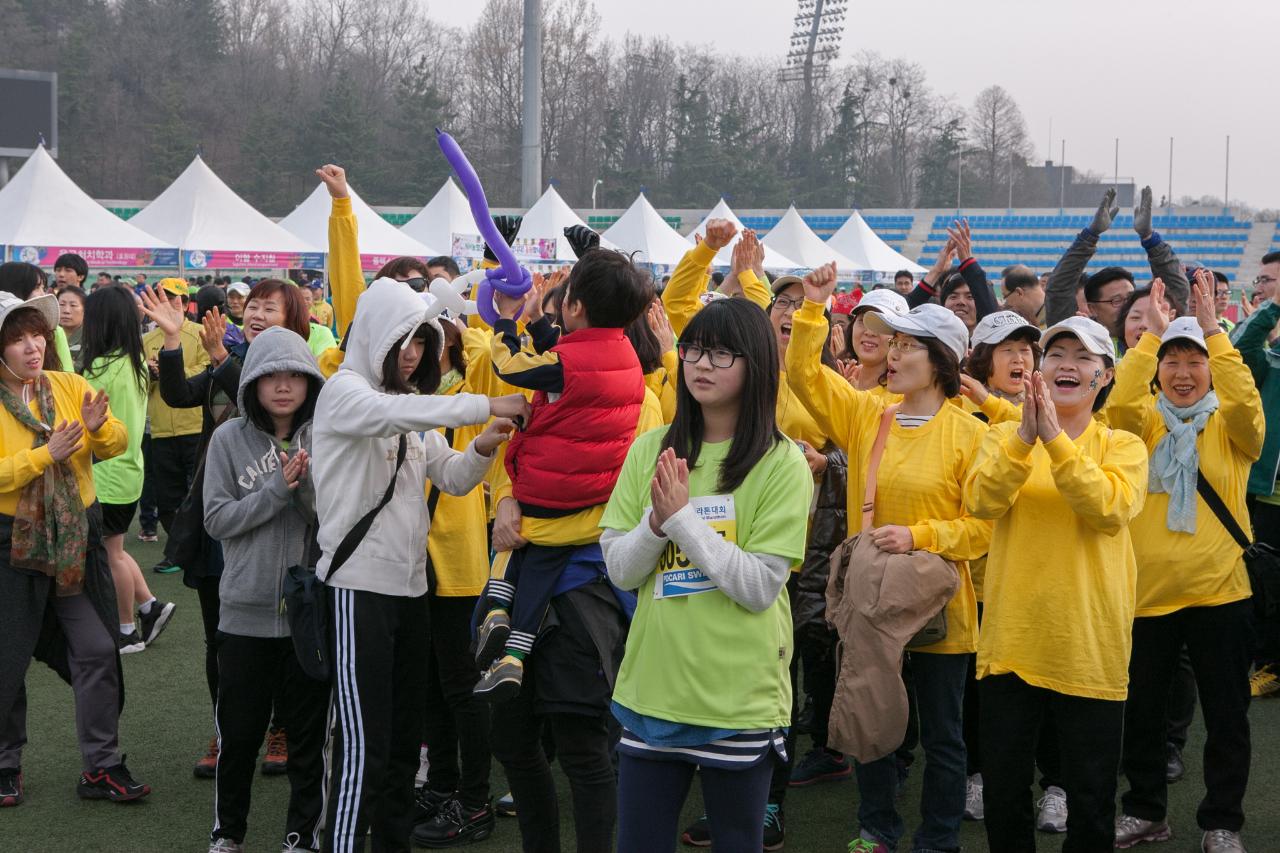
{"x": 1093, "y": 384}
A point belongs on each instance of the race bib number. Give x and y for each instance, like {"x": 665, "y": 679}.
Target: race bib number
{"x": 677, "y": 576}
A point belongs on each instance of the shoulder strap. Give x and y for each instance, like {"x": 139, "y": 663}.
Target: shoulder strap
{"x": 349, "y": 542}
{"x": 873, "y": 465}
{"x": 1220, "y": 510}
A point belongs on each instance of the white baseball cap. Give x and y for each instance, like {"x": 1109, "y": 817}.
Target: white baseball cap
{"x": 1092, "y": 334}
{"x": 1185, "y": 329}
{"x": 994, "y": 328}
{"x": 883, "y": 302}
{"x": 924, "y": 321}
{"x": 238, "y": 287}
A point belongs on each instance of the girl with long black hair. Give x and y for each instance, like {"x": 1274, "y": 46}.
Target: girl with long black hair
{"x": 706, "y": 521}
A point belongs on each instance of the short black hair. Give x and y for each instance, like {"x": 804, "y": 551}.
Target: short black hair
{"x": 717, "y": 278}
{"x": 426, "y": 378}
{"x": 903, "y": 274}
{"x": 1221, "y": 277}
{"x": 953, "y": 282}
{"x": 1093, "y": 286}
{"x": 612, "y": 289}
{"x": 1271, "y": 258}
{"x": 73, "y": 262}
{"x": 946, "y": 367}
{"x": 449, "y": 264}
{"x": 21, "y": 278}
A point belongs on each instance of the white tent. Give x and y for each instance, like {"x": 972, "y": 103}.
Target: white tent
{"x": 793, "y": 238}
{"x": 543, "y": 222}
{"x": 43, "y": 214}
{"x": 380, "y": 241}
{"x": 643, "y": 230}
{"x": 773, "y": 259}
{"x": 857, "y": 242}
{"x": 214, "y": 227}
{"x": 446, "y": 215}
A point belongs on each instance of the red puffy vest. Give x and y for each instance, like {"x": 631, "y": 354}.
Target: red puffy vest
{"x": 569, "y": 455}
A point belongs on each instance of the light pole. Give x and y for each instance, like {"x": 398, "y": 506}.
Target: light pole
{"x": 593, "y": 192}
{"x": 531, "y": 109}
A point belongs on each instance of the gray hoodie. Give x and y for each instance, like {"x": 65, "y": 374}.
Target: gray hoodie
{"x": 260, "y": 522}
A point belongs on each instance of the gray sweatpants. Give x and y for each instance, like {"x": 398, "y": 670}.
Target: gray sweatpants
{"x": 93, "y": 656}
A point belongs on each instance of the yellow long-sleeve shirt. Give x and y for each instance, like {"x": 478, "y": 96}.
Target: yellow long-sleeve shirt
{"x": 20, "y": 462}
{"x": 346, "y": 278}
{"x": 662, "y": 382}
{"x": 458, "y": 541}
{"x": 682, "y": 297}
{"x": 166, "y": 421}
{"x": 1177, "y": 570}
{"x": 1061, "y": 575}
{"x": 921, "y": 472}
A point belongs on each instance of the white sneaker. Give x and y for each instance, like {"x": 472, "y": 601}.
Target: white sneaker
{"x": 225, "y": 845}
{"x": 1221, "y": 841}
{"x": 421, "y": 778}
{"x": 1053, "y": 810}
{"x": 973, "y": 797}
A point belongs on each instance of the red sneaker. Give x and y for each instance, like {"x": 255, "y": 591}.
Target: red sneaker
{"x": 207, "y": 767}
{"x": 277, "y": 758}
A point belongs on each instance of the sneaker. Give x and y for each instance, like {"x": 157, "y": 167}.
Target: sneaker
{"x": 1221, "y": 841}
{"x": 111, "y": 783}
{"x": 495, "y": 630}
{"x": 454, "y": 826}
{"x": 775, "y": 831}
{"x": 154, "y": 620}
{"x": 207, "y": 767}
{"x": 501, "y": 681}
{"x": 276, "y": 761}
{"x": 225, "y": 845}
{"x": 973, "y": 809}
{"x": 698, "y": 834}
{"x": 1053, "y": 810}
{"x": 131, "y": 642}
{"x": 1174, "y": 769}
{"x": 148, "y": 536}
{"x": 820, "y": 765}
{"x": 10, "y": 787}
{"x": 420, "y": 778}
{"x": 862, "y": 844}
{"x": 1264, "y": 682}
{"x": 164, "y": 567}
{"x": 506, "y": 805}
{"x": 427, "y": 803}
{"x": 1132, "y": 831}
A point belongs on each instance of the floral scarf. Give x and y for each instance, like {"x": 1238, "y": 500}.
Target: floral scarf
{"x": 50, "y": 530}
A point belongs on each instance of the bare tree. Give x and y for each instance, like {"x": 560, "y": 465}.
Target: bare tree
{"x": 998, "y": 131}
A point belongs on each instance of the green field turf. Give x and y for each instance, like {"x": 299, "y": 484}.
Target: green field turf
{"x": 167, "y": 723}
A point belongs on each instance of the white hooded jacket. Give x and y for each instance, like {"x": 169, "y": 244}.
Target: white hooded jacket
{"x": 356, "y": 434}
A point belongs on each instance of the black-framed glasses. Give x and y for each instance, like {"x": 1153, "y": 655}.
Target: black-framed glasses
{"x": 786, "y": 303}
{"x": 1114, "y": 302}
{"x": 1264, "y": 279}
{"x": 692, "y": 354}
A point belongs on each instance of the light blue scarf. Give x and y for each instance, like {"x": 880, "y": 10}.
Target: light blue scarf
{"x": 1175, "y": 460}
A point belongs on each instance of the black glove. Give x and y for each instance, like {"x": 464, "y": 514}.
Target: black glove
{"x": 1142, "y": 214}
{"x": 581, "y": 238}
{"x": 1107, "y": 212}
{"x": 508, "y": 227}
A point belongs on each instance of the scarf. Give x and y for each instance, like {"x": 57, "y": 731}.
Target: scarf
{"x": 1175, "y": 460}
{"x": 50, "y": 530}
{"x": 448, "y": 381}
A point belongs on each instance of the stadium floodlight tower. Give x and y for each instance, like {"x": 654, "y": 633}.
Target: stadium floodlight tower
{"x": 815, "y": 44}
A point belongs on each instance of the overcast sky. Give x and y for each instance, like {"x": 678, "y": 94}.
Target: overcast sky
{"x": 1087, "y": 71}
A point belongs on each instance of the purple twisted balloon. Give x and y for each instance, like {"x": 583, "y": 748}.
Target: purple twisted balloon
{"x": 510, "y": 278}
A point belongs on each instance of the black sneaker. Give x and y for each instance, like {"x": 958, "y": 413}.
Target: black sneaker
{"x": 492, "y": 637}
{"x": 454, "y": 825}
{"x": 427, "y": 803}
{"x": 164, "y": 567}
{"x": 131, "y": 642}
{"x": 152, "y": 622}
{"x": 698, "y": 834}
{"x": 111, "y": 783}
{"x": 775, "y": 832}
{"x": 10, "y": 786}
{"x": 1174, "y": 769}
{"x": 820, "y": 765}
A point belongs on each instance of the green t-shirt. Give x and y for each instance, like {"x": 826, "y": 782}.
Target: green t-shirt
{"x": 320, "y": 339}
{"x": 119, "y": 480}
{"x": 694, "y": 655}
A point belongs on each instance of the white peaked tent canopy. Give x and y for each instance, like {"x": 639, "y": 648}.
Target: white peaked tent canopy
{"x": 547, "y": 219}
{"x": 857, "y": 242}
{"x": 199, "y": 211}
{"x": 377, "y": 236}
{"x": 773, "y": 259}
{"x": 445, "y": 215}
{"x": 793, "y": 238}
{"x": 41, "y": 206}
{"x": 643, "y": 230}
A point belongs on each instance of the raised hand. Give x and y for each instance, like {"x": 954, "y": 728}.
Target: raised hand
{"x": 498, "y": 431}
{"x": 65, "y": 440}
{"x": 820, "y": 283}
{"x": 660, "y": 324}
{"x": 753, "y": 251}
{"x": 335, "y": 180}
{"x": 720, "y": 233}
{"x": 1156, "y": 319}
{"x": 1203, "y": 285}
{"x": 1047, "y": 427}
{"x": 973, "y": 389}
{"x": 960, "y": 237}
{"x": 1029, "y": 428}
{"x": 94, "y": 410}
{"x": 942, "y": 264}
{"x": 214, "y": 328}
{"x": 1106, "y": 214}
{"x": 533, "y": 299}
{"x": 850, "y": 370}
{"x": 508, "y": 306}
{"x": 1142, "y": 214}
{"x": 167, "y": 317}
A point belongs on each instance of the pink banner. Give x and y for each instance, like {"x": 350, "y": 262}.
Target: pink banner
{"x": 44, "y": 256}
{"x": 377, "y": 262}
{"x": 198, "y": 259}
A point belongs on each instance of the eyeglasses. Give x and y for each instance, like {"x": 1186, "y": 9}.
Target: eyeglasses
{"x": 1265, "y": 279}
{"x": 692, "y": 354}
{"x": 786, "y": 303}
{"x": 905, "y": 346}
{"x": 1114, "y": 302}
{"x": 418, "y": 283}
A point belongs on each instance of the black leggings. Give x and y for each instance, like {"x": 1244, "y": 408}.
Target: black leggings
{"x": 651, "y": 794}
{"x": 209, "y": 607}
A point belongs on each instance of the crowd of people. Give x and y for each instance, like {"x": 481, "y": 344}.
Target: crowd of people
{"x": 658, "y": 531}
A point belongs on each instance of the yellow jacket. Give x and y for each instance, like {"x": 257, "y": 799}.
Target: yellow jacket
{"x": 166, "y": 421}
{"x": 346, "y": 278}
{"x": 682, "y": 297}
{"x": 1060, "y": 578}
{"x": 20, "y": 463}
{"x": 662, "y": 382}
{"x": 921, "y": 472}
{"x": 1177, "y": 570}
